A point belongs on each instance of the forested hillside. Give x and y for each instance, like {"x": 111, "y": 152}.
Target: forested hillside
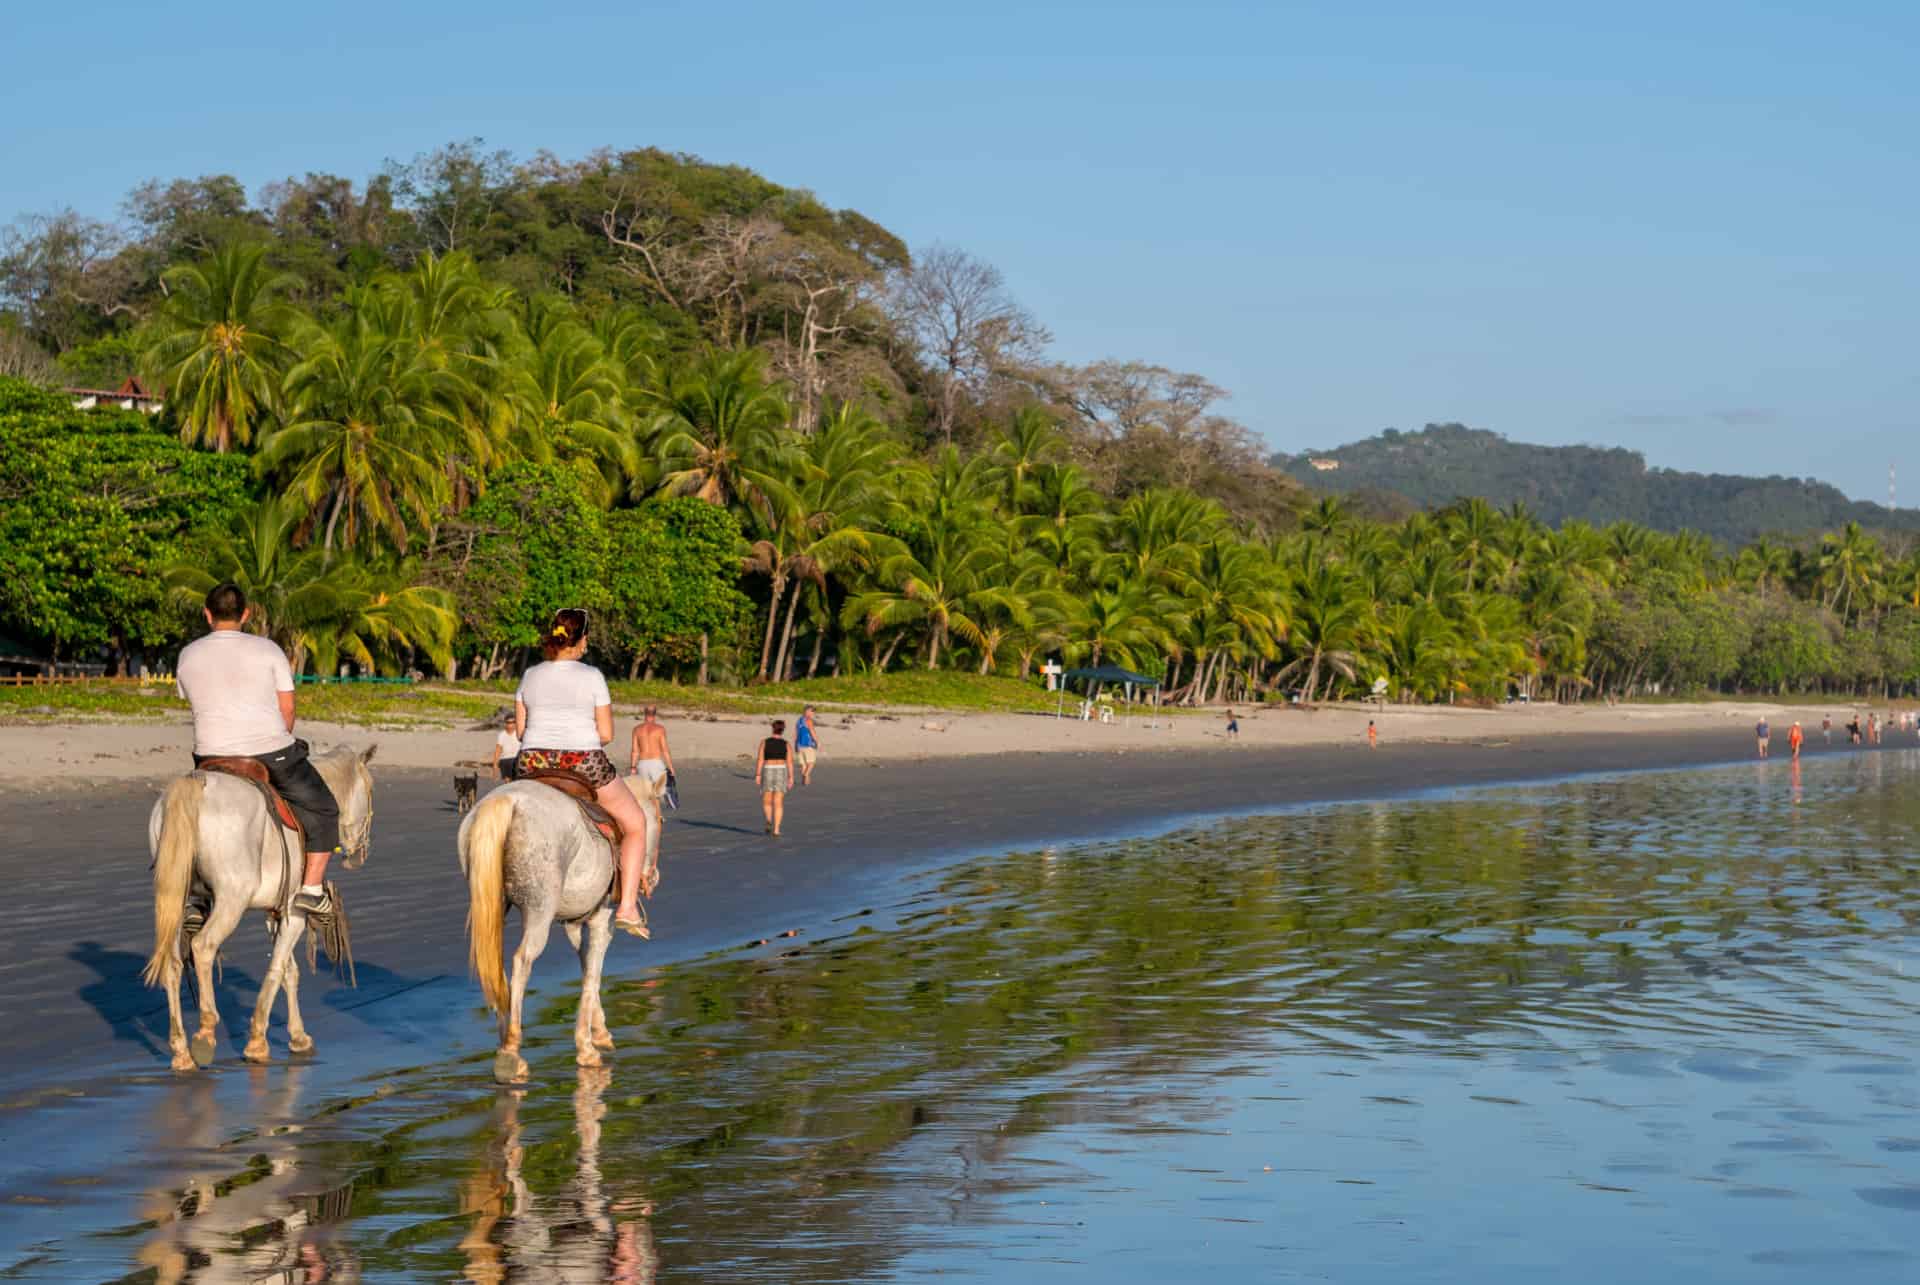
{"x": 758, "y": 438}
{"x": 1445, "y": 462}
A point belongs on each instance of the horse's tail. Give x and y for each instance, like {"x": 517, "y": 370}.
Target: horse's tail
{"x": 173, "y": 869}
{"x": 486, "y": 841}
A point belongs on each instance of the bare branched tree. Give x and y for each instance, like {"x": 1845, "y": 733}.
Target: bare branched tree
{"x": 61, "y": 273}
{"x": 823, "y": 293}
{"x": 965, "y": 325}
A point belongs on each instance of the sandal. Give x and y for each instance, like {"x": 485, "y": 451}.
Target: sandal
{"x": 638, "y": 927}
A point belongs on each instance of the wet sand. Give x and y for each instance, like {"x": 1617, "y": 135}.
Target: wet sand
{"x": 85, "y": 1038}
{"x": 78, "y": 906}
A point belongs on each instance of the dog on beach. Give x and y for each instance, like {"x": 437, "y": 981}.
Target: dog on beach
{"x": 466, "y": 792}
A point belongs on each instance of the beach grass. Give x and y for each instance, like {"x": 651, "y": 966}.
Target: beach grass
{"x": 437, "y": 704}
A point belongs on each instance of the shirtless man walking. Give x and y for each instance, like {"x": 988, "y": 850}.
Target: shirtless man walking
{"x": 241, "y": 690}
{"x": 650, "y": 758}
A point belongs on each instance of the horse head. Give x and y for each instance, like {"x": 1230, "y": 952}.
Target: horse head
{"x": 355, "y": 794}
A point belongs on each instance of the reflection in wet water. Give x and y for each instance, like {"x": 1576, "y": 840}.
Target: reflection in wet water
{"x": 1643, "y": 1026}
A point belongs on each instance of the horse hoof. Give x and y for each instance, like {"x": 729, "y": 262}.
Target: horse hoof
{"x": 509, "y": 1068}
{"x": 203, "y": 1051}
{"x": 256, "y": 1052}
{"x": 184, "y": 1062}
{"x": 587, "y": 1057}
{"x": 300, "y": 1044}
{"x": 603, "y": 1041}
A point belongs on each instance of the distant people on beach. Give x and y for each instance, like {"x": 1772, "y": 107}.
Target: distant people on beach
{"x": 770, "y": 771}
{"x": 1233, "y": 727}
{"x": 1853, "y": 729}
{"x": 1873, "y": 729}
{"x": 806, "y": 746}
{"x": 506, "y": 746}
{"x": 1794, "y": 738}
{"x": 1373, "y": 736}
{"x": 1826, "y": 728}
{"x": 1760, "y": 735}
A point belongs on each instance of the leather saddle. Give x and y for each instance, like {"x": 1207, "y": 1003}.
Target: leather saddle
{"x": 581, "y": 791}
{"x": 255, "y": 771}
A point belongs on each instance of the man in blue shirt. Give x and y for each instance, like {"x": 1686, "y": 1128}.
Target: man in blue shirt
{"x": 805, "y": 747}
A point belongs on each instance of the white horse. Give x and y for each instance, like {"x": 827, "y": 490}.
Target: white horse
{"x": 528, "y": 845}
{"x": 216, "y": 826}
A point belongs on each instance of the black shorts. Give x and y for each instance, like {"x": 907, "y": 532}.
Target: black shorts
{"x": 305, "y": 790}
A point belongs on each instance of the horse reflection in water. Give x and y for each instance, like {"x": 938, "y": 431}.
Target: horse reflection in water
{"x": 517, "y": 1233}
{"x": 247, "y": 1210}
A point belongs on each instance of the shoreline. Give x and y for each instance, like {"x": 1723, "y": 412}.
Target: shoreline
{"x": 52, "y": 756}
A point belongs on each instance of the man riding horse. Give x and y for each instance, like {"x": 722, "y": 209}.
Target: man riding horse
{"x": 241, "y": 690}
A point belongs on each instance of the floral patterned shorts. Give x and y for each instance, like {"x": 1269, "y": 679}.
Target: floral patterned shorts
{"x": 592, "y": 764}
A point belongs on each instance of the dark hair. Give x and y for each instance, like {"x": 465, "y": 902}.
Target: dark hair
{"x": 568, "y": 627}
{"x": 779, "y": 726}
{"x": 226, "y": 602}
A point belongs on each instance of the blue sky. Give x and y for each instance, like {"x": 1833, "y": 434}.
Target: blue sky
{"x": 1684, "y": 228}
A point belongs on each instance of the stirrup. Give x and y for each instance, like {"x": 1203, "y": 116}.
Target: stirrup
{"x": 313, "y": 903}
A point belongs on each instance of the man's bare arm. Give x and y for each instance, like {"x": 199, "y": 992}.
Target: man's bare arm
{"x": 286, "y": 709}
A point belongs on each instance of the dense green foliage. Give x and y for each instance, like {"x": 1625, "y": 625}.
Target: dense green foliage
{"x": 92, "y": 506}
{"x": 1446, "y": 462}
{"x": 760, "y": 441}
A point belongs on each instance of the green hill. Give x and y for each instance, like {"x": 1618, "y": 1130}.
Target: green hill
{"x": 1444, "y": 462}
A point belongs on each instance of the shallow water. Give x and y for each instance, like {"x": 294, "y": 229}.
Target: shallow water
{"x": 1648, "y": 1027}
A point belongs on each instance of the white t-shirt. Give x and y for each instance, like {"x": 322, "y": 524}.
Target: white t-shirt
{"x": 234, "y": 679}
{"x": 560, "y": 696}
{"x": 506, "y": 745}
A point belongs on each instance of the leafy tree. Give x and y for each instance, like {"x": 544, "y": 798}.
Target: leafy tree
{"x": 220, "y": 345}
{"x": 92, "y": 505}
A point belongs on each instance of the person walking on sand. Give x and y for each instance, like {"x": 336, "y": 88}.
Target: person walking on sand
{"x": 1826, "y": 728}
{"x": 1794, "y": 738}
{"x": 565, "y": 714}
{"x": 650, "y": 758}
{"x": 805, "y": 747}
{"x": 1760, "y": 734}
{"x": 241, "y": 690}
{"x": 506, "y": 746}
{"x": 1853, "y": 730}
{"x": 770, "y": 774}
{"x": 1233, "y": 727}
{"x": 1373, "y": 736}
{"x": 1873, "y": 729}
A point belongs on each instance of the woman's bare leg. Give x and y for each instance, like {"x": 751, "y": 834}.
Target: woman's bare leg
{"x": 779, "y": 810}
{"x": 616, "y": 798}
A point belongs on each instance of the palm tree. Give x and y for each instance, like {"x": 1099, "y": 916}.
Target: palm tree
{"x": 567, "y": 402}
{"x": 368, "y": 422}
{"x": 1850, "y": 565}
{"x": 220, "y": 344}
{"x": 1029, "y": 442}
{"x": 937, "y": 587}
{"x": 721, "y": 426}
{"x": 365, "y": 610}
{"x": 1327, "y": 626}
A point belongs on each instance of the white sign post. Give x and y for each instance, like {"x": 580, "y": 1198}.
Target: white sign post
{"x": 1053, "y": 671}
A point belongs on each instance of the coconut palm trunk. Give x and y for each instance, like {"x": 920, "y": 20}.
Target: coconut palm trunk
{"x": 773, "y": 618}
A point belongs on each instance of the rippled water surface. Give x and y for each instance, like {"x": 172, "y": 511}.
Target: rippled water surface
{"x": 1656, "y": 1027}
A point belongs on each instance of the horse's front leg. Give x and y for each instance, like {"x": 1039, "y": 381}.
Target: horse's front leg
{"x": 221, "y": 922}
{"x": 508, "y": 1065}
{"x": 593, "y": 959}
{"x": 290, "y": 930}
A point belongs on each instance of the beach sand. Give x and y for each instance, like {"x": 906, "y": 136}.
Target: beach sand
{"x": 37, "y": 755}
